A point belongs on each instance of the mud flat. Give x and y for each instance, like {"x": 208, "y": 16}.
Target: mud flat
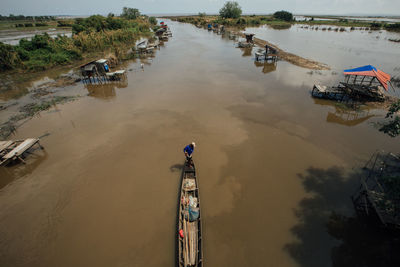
{"x": 24, "y": 95}
{"x": 289, "y": 57}
{"x": 292, "y": 58}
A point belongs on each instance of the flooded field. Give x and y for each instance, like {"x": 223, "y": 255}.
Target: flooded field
{"x": 272, "y": 162}
{"x": 12, "y": 36}
{"x": 333, "y": 18}
{"x": 339, "y": 50}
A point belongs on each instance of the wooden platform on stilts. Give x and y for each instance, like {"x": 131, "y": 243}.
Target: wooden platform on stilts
{"x": 13, "y": 150}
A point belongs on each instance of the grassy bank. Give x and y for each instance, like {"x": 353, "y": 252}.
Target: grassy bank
{"x": 253, "y": 20}
{"x": 92, "y": 34}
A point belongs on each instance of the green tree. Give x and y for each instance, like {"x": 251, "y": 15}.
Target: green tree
{"x": 283, "y": 15}
{"x": 153, "y": 20}
{"x": 231, "y": 9}
{"x": 392, "y": 127}
{"x": 9, "y": 58}
{"x": 130, "y": 13}
{"x": 202, "y": 14}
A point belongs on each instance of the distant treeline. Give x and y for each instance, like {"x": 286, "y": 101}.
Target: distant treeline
{"x": 280, "y": 19}
{"x": 389, "y": 27}
{"x": 60, "y": 23}
{"x": 22, "y": 17}
{"x": 92, "y": 34}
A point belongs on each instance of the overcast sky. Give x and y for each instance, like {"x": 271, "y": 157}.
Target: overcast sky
{"x": 89, "y": 7}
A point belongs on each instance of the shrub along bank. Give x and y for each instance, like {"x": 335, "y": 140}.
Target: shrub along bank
{"x": 92, "y": 34}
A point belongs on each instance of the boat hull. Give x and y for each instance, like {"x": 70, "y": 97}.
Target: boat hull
{"x": 190, "y": 249}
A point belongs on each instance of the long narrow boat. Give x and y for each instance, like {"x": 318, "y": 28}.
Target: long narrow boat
{"x": 190, "y": 249}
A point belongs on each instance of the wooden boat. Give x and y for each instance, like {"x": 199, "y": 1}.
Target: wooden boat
{"x": 190, "y": 249}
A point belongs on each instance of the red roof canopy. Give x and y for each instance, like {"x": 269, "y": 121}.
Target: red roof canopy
{"x": 369, "y": 70}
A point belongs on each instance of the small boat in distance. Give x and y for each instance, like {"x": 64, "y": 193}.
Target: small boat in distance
{"x": 190, "y": 249}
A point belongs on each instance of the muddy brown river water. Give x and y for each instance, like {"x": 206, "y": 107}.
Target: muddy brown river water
{"x": 272, "y": 164}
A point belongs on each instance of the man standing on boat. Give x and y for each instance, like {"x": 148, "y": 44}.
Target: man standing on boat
{"x": 188, "y": 150}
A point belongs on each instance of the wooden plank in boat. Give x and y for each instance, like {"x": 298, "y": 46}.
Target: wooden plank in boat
{"x": 192, "y": 231}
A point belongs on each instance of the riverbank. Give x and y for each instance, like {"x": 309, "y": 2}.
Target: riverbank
{"x": 90, "y": 35}
{"x": 23, "y": 96}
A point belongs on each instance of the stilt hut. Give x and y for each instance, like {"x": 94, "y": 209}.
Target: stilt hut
{"x": 360, "y": 84}
{"x": 160, "y": 31}
{"x": 267, "y": 67}
{"x": 270, "y": 53}
{"x": 249, "y": 37}
{"x": 249, "y": 41}
{"x": 378, "y": 196}
{"x": 366, "y": 82}
{"x": 99, "y": 71}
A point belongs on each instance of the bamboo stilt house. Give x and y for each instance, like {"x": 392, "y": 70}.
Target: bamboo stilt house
{"x": 363, "y": 84}
{"x": 366, "y": 81}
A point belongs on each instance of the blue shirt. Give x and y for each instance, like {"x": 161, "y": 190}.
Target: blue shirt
{"x": 106, "y": 68}
{"x": 188, "y": 149}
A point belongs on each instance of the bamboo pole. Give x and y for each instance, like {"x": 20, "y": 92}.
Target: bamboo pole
{"x": 392, "y": 86}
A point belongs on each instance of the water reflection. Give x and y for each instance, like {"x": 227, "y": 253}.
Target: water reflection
{"x": 329, "y": 192}
{"x": 267, "y": 67}
{"x": 16, "y": 85}
{"x": 17, "y": 170}
{"x": 361, "y": 242}
{"x": 105, "y": 90}
{"x": 346, "y": 115}
{"x": 246, "y": 51}
{"x": 11, "y": 92}
{"x": 347, "y": 118}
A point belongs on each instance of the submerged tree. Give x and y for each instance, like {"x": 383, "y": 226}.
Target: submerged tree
{"x": 392, "y": 127}
{"x": 130, "y": 13}
{"x": 283, "y": 15}
{"x": 231, "y": 9}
